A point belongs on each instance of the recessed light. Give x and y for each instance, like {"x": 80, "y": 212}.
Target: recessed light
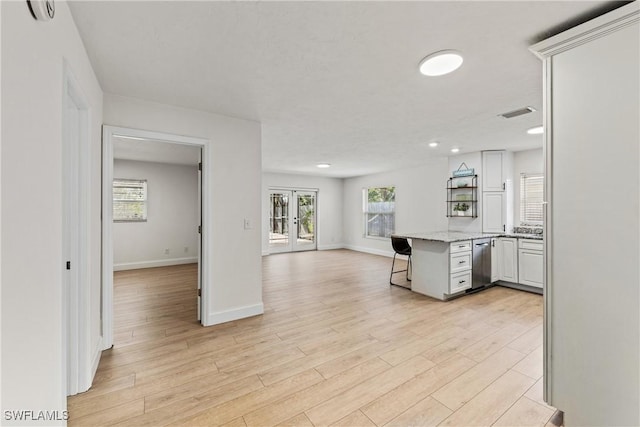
{"x": 441, "y": 63}
{"x": 433, "y": 144}
{"x": 323, "y": 165}
{"x": 455, "y": 150}
{"x": 535, "y": 130}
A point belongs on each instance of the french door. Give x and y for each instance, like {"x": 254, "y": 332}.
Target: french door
{"x": 292, "y": 220}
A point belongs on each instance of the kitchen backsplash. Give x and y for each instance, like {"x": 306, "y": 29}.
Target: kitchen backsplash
{"x": 528, "y": 229}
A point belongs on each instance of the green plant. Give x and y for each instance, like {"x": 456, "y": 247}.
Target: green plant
{"x": 463, "y": 207}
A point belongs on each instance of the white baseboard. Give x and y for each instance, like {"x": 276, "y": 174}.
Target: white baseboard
{"x": 370, "y": 250}
{"x": 330, "y": 247}
{"x": 218, "y": 317}
{"x": 154, "y": 263}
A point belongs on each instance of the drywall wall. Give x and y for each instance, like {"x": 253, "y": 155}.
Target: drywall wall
{"x": 420, "y": 204}
{"x": 234, "y": 163}
{"x": 528, "y": 161}
{"x": 473, "y": 161}
{"x": 172, "y": 217}
{"x": 33, "y": 57}
{"x": 329, "y": 211}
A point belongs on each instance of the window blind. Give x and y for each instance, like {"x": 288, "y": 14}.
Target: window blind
{"x": 531, "y": 198}
{"x": 129, "y": 200}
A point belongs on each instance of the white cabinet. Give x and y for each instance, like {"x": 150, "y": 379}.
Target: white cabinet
{"x": 508, "y": 256}
{"x": 493, "y": 171}
{"x": 493, "y": 212}
{"x": 460, "y": 266}
{"x": 497, "y": 191}
{"x": 495, "y": 260}
{"x": 530, "y": 262}
{"x": 530, "y": 267}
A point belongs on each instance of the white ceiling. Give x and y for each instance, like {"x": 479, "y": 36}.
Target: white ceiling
{"x": 149, "y": 150}
{"x": 335, "y": 82}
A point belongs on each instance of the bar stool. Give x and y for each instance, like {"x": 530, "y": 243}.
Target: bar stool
{"x": 400, "y": 246}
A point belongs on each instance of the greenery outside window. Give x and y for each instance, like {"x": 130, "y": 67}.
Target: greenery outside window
{"x": 531, "y": 198}
{"x": 379, "y": 206}
{"x": 129, "y": 200}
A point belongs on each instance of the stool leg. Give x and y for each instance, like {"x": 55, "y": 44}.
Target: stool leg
{"x": 392, "y": 264}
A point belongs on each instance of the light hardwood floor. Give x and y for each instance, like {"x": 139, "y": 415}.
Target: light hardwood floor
{"x": 336, "y": 346}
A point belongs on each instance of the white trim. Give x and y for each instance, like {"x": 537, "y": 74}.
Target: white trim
{"x": 76, "y": 243}
{"x": 331, "y": 247}
{"x": 265, "y": 253}
{"x": 598, "y": 27}
{"x": 107, "y": 219}
{"x": 217, "y": 317}
{"x": 154, "y": 263}
{"x": 369, "y": 250}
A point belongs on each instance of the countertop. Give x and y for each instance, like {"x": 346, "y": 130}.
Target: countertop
{"x": 457, "y": 236}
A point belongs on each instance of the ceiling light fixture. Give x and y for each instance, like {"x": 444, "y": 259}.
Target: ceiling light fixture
{"x": 433, "y": 144}
{"x": 535, "y": 130}
{"x": 455, "y": 150}
{"x": 441, "y": 63}
{"x": 323, "y": 165}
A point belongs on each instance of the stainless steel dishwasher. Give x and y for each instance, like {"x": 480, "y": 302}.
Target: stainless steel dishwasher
{"x": 481, "y": 268}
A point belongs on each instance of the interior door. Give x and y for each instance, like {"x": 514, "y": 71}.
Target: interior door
{"x": 292, "y": 220}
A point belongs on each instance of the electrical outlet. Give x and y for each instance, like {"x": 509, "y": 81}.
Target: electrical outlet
{"x": 166, "y": 251}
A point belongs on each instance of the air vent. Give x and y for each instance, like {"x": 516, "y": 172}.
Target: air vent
{"x": 516, "y": 113}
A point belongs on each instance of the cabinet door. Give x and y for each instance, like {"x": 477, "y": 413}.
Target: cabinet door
{"x": 530, "y": 269}
{"x": 492, "y": 171}
{"x": 495, "y": 260}
{"x": 493, "y": 212}
{"x": 508, "y": 256}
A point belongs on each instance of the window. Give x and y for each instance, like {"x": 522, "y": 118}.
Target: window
{"x": 379, "y": 205}
{"x": 129, "y": 200}
{"x": 531, "y": 195}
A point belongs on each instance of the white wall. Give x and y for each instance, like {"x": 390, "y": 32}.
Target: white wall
{"x": 529, "y": 161}
{"x": 420, "y": 204}
{"x": 235, "y": 189}
{"x": 329, "y": 211}
{"x": 172, "y": 217}
{"x": 32, "y": 264}
{"x": 473, "y": 161}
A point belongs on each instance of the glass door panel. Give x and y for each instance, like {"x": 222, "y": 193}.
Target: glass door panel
{"x": 306, "y": 221}
{"x": 279, "y": 218}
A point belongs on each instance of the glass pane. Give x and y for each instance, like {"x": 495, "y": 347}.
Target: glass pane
{"x": 278, "y": 220}
{"x": 306, "y": 219}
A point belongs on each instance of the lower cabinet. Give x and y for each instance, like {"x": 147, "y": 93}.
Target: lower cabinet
{"x": 494, "y": 261}
{"x": 508, "y": 259}
{"x": 531, "y": 263}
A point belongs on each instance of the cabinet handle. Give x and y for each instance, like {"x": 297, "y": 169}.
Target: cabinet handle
{"x": 461, "y": 281}
{"x": 461, "y": 262}
{"x": 461, "y": 246}
{"x": 503, "y": 186}
{"x": 504, "y": 228}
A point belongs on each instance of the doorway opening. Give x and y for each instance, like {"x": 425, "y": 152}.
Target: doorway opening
{"x": 154, "y": 231}
{"x": 292, "y": 220}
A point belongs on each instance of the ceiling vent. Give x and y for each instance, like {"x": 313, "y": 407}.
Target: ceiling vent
{"x": 518, "y": 112}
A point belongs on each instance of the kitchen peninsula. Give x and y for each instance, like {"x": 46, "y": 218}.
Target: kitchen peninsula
{"x": 442, "y": 261}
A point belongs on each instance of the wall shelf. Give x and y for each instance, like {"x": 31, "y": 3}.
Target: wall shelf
{"x": 462, "y": 191}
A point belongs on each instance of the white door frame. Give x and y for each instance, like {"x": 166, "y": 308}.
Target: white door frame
{"x": 107, "y": 219}
{"x": 76, "y": 156}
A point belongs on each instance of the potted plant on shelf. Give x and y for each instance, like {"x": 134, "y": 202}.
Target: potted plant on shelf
{"x": 461, "y": 209}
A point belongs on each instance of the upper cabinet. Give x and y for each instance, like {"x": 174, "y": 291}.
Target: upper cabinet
{"x": 493, "y": 170}
{"x": 497, "y": 191}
